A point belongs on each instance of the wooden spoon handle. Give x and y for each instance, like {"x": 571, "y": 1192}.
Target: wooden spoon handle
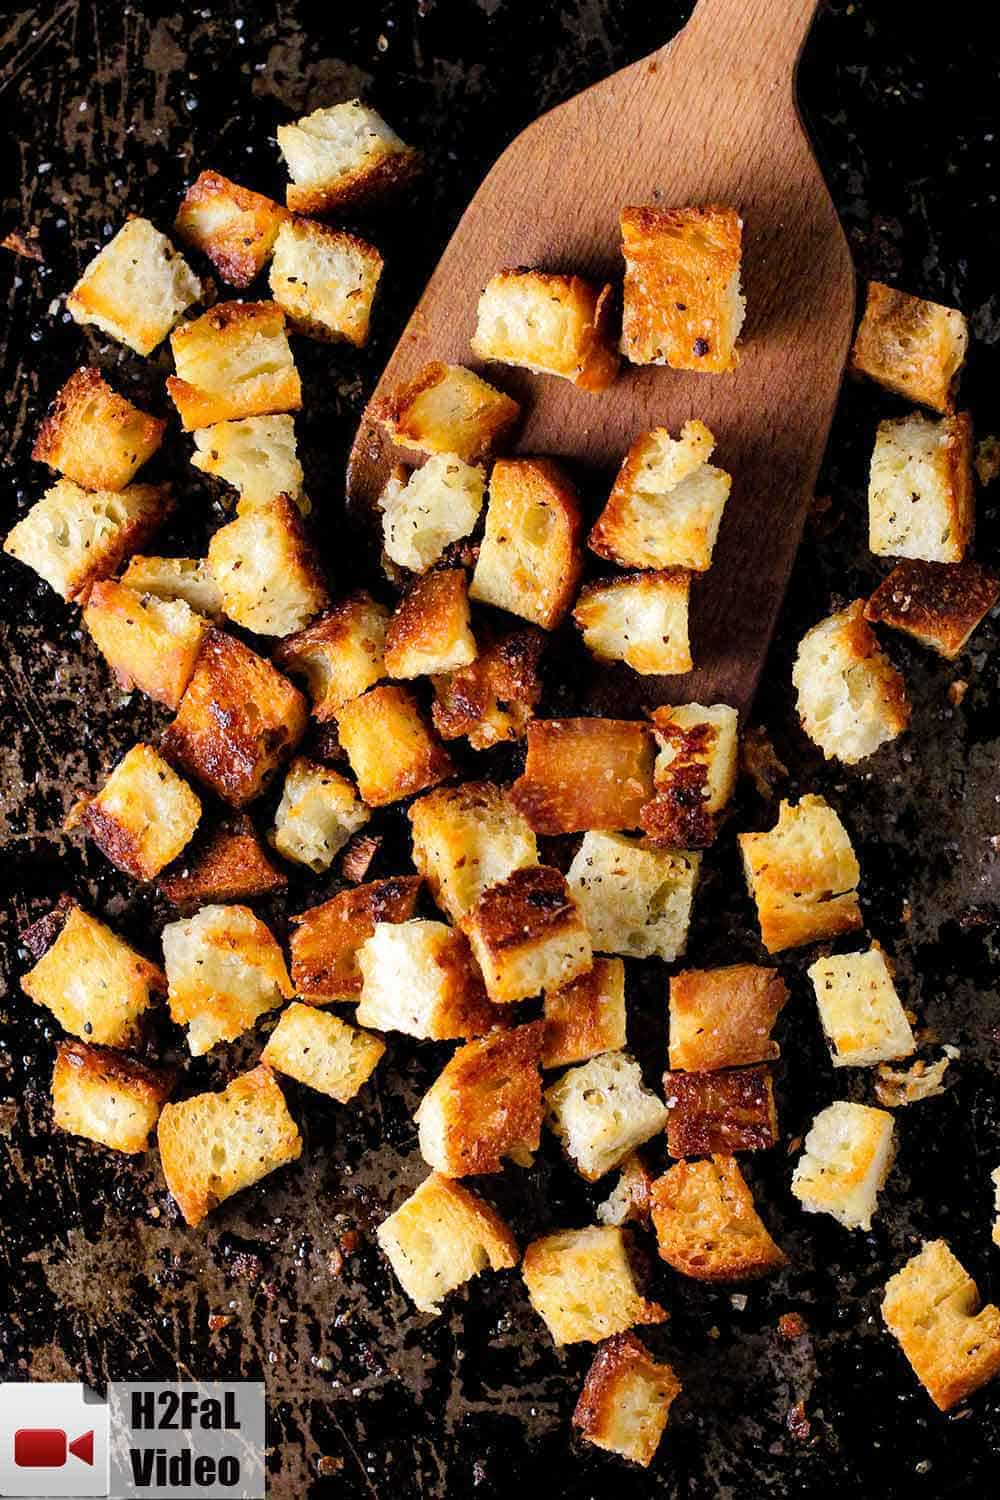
{"x": 733, "y": 43}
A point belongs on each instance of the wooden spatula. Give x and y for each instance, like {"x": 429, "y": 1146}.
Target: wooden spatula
{"x": 711, "y": 118}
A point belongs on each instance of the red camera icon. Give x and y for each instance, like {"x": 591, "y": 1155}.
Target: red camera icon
{"x": 49, "y": 1447}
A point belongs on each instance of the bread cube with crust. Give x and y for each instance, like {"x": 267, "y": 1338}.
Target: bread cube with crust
{"x": 587, "y": 1016}
{"x": 851, "y": 699}
{"x": 438, "y": 505}
{"x": 325, "y": 280}
{"x": 107, "y": 1097}
{"x": 229, "y": 865}
{"x": 706, "y": 1224}
{"x": 233, "y": 361}
{"x": 467, "y": 838}
{"x": 343, "y": 157}
{"x": 144, "y": 814}
{"x": 585, "y": 773}
{"x": 486, "y": 1104}
{"x": 848, "y": 1152}
{"x": 391, "y": 750}
{"x": 326, "y": 939}
{"x": 938, "y": 604}
{"x": 149, "y": 643}
{"x": 601, "y": 1111}
{"x": 491, "y": 700}
{"x": 449, "y": 410}
{"x": 530, "y": 558}
{"x": 682, "y": 304}
{"x": 911, "y": 346}
{"x": 920, "y": 496}
{"x": 320, "y": 1050}
{"x": 441, "y": 1237}
{"x": 224, "y": 969}
{"x": 718, "y": 1113}
{"x": 528, "y": 935}
{"x": 318, "y": 812}
{"x": 267, "y": 571}
{"x": 341, "y": 655}
{"x": 186, "y": 578}
{"x": 94, "y": 436}
{"x": 554, "y": 325}
{"x": 722, "y": 1018}
{"x": 235, "y": 227}
{"x": 636, "y": 900}
{"x": 803, "y": 875}
{"x": 215, "y": 1145}
{"x": 136, "y": 288}
{"x": 582, "y": 1285}
{"x": 640, "y": 619}
{"x": 430, "y": 630}
{"x": 626, "y": 1400}
{"x": 257, "y": 455}
{"x": 860, "y": 1011}
{"x": 629, "y": 1199}
{"x": 694, "y": 776}
{"x": 933, "y": 1308}
{"x": 418, "y": 977}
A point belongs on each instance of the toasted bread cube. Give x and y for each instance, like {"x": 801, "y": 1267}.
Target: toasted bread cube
{"x": 233, "y": 361}
{"x": 430, "y": 630}
{"x": 136, "y": 288}
{"x": 861, "y": 1013}
{"x": 920, "y": 496}
{"x": 149, "y": 643}
{"x": 214, "y": 1145}
{"x": 995, "y": 1179}
{"x": 486, "y": 1104}
{"x": 186, "y": 578}
{"x": 318, "y": 812}
{"x": 666, "y": 506}
{"x": 442, "y": 1236}
{"x": 932, "y": 1307}
{"x": 911, "y": 346}
{"x": 582, "y": 1285}
{"x": 722, "y": 1018}
{"x": 706, "y": 1224}
{"x": 230, "y": 865}
{"x": 438, "y": 505}
{"x": 851, "y": 699}
{"x": 938, "y": 604}
{"x": 94, "y": 436}
{"x": 640, "y": 619}
{"x": 391, "y": 750}
{"x": 803, "y": 875}
{"x": 682, "y": 305}
{"x": 344, "y": 156}
{"x": 528, "y": 935}
{"x": 449, "y": 410}
{"x": 325, "y": 280}
{"x": 694, "y": 776}
{"x": 585, "y": 773}
{"x": 269, "y": 576}
{"x": 587, "y": 1016}
{"x": 95, "y": 985}
{"x": 144, "y": 814}
{"x": 106, "y": 1097}
{"x": 418, "y": 977}
{"x": 848, "y": 1152}
{"x": 554, "y": 325}
{"x": 467, "y": 838}
{"x": 72, "y": 537}
{"x": 635, "y": 900}
{"x": 237, "y": 721}
{"x": 325, "y": 939}
{"x": 492, "y": 699}
{"x": 601, "y": 1111}
{"x": 234, "y": 227}
{"x": 626, "y": 1400}
{"x": 629, "y": 1199}
{"x": 322, "y": 1051}
{"x": 718, "y": 1113}
{"x": 341, "y": 655}
{"x": 257, "y": 455}
{"x": 224, "y": 969}
{"x": 530, "y": 557}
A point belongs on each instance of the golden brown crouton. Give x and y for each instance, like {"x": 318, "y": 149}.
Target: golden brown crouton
{"x": 528, "y": 935}
{"x": 257, "y": 455}
{"x": 343, "y": 157}
{"x": 325, "y": 939}
{"x": 186, "y": 578}
{"x": 233, "y": 361}
{"x": 848, "y": 1152}
{"x": 224, "y": 969}
{"x": 634, "y": 898}
{"x": 626, "y": 1399}
{"x": 920, "y": 495}
{"x": 913, "y": 347}
{"x": 640, "y": 619}
{"x": 707, "y": 1226}
{"x": 628, "y": 1200}
{"x": 107, "y": 1097}
{"x": 531, "y": 557}
{"x": 436, "y": 505}
{"x": 94, "y": 436}
{"x": 860, "y": 1010}
{"x": 418, "y": 977}
{"x": 392, "y": 752}
{"x": 322, "y": 1051}
{"x": 467, "y": 838}
{"x": 932, "y": 1306}
{"x": 803, "y": 876}
{"x": 722, "y": 1018}
{"x": 135, "y": 288}
{"x": 682, "y": 303}
{"x": 230, "y": 865}
{"x": 485, "y": 1105}
{"x": 144, "y": 814}
{"x": 493, "y": 698}
{"x": 234, "y": 227}
{"x": 149, "y": 643}
{"x": 585, "y": 773}
{"x": 442, "y": 1236}
{"x": 851, "y": 699}
{"x": 448, "y": 409}
{"x": 582, "y": 1285}
{"x": 938, "y": 604}
{"x": 717, "y": 1113}
{"x": 555, "y": 325}
{"x": 325, "y": 280}
{"x": 318, "y": 812}
{"x": 587, "y": 1016}
{"x": 694, "y": 775}
{"x": 430, "y": 630}
{"x": 341, "y": 655}
{"x": 601, "y": 1111}
{"x": 267, "y": 571}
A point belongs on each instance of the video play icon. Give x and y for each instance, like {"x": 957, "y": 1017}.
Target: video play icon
{"x": 53, "y": 1440}
{"x": 49, "y": 1448}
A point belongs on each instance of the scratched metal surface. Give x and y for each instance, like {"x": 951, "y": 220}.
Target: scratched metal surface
{"x": 109, "y": 109}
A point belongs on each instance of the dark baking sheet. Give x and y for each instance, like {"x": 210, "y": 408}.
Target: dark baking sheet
{"x": 109, "y": 109}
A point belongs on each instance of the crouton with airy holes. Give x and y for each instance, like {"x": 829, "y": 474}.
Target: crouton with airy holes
{"x": 626, "y": 1400}
{"x": 325, "y": 939}
{"x": 224, "y": 969}
{"x": 438, "y": 505}
{"x": 636, "y": 900}
{"x": 718, "y": 1113}
{"x": 449, "y": 410}
{"x": 528, "y": 935}
{"x": 149, "y": 643}
{"x": 706, "y": 1224}
{"x": 640, "y": 619}
{"x": 72, "y": 537}
{"x": 269, "y": 576}
{"x": 441, "y": 1237}
{"x": 911, "y": 346}
{"x": 214, "y": 1145}
{"x": 391, "y": 750}
{"x": 694, "y": 776}
{"x": 237, "y": 721}
{"x": 341, "y": 655}
{"x": 803, "y": 876}
{"x": 418, "y": 977}
{"x": 629, "y": 1199}
{"x": 136, "y": 288}
{"x": 258, "y": 456}
{"x": 530, "y": 558}
{"x": 233, "y": 361}
{"x": 492, "y": 699}
{"x": 933, "y": 1308}
{"x": 848, "y": 1152}
{"x": 230, "y": 865}
{"x": 144, "y": 814}
{"x": 467, "y": 838}
{"x": 318, "y": 812}
{"x": 320, "y": 1050}
{"x": 94, "y": 436}
{"x": 107, "y": 1097}
{"x": 430, "y": 630}
{"x": 585, "y": 773}
{"x": 325, "y": 280}
{"x": 485, "y": 1104}
{"x": 859, "y": 1009}
{"x": 938, "y": 604}
{"x": 601, "y": 1111}
{"x": 343, "y": 157}
{"x": 723, "y": 1018}
{"x": 682, "y": 305}
{"x": 587, "y": 1016}
{"x": 920, "y": 496}
{"x": 851, "y": 699}
{"x": 186, "y": 578}
{"x": 554, "y": 325}
{"x": 582, "y": 1285}
{"x": 233, "y": 226}
{"x": 666, "y": 506}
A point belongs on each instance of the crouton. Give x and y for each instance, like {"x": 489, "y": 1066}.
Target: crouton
{"x": 230, "y": 865}
{"x": 682, "y": 304}
{"x": 258, "y": 456}
{"x": 635, "y": 900}
{"x": 186, "y": 578}
{"x": 554, "y": 325}
{"x": 640, "y": 619}
{"x": 214, "y": 1145}
{"x": 391, "y": 750}
{"x": 106, "y": 1097}
{"x": 144, "y": 814}
{"x": 629, "y": 1199}
{"x": 343, "y": 157}
{"x": 530, "y": 558}
{"x": 995, "y": 1179}
{"x": 418, "y": 977}
{"x": 601, "y": 1111}
{"x": 933, "y": 1308}
{"x": 72, "y": 537}
{"x": 430, "y": 630}
{"x": 234, "y": 227}
{"x": 694, "y": 775}
{"x": 626, "y": 1400}
{"x": 237, "y": 720}
{"x": 341, "y": 655}
{"x": 149, "y": 643}
{"x": 442, "y": 1236}
{"x": 851, "y": 699}
{"x": 585, "y": 773}
{"x": 325, "y": 280}
{"x": 449, "y": 410}
{"x": 898, "y": 1087}
{"x": 467, "y": 838}
{"x": 587, "y": 1016}
{"x": 861, "y": 1013}
{"x": 94, "y": 436}
{"x": 848, "y": 1152}
{"x": 803, "y": 875}
{"x": 722, "y": 1018}
{"x": 322, "y": 1051}
{"x": 528, "y": 935}
{"x": 233, "y": 361}
{"x": 706, "y": 1224}
{"x": 325, "y": 939}
{"x": 718, "y": 1113}
{"x": 913, "y": 347}
{"x": 224, "y": 969}
{"x": 438, "y": 505}
{"x": 666, "y": 506}
{"x": 492, "y": 699}
{"x": 582, "y": 1285}
{"x": 135, "y": 288}
{"x": 318, "y": 812}
{"x": 486, "y": 1104}
{"x": 269, "y": 576}
{"x": 920, "y": 497}
{"x": 938, "y": 604}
